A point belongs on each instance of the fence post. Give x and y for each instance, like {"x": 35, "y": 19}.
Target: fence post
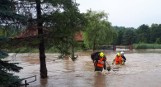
{"x": 130, "y": 47}
{"x": 25, "y": 83}
{"x": 114, "y": 47}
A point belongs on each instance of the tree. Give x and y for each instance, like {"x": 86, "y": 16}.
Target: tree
{"x": 8, "y": 16}
{"x": 98, "y": 30}
{"x": 119, "y": 35}
{"x": 61, "y": 19}
{"x": 8, "y": 79}
{"x": 155, "y": 33}
{"x": 63, "y": 26}
{"x": 125, "y": 35}
{"x": 143, "y": 34}
{"x": 129, "y": 37}
{"x": 43, "y": 69}
{"x": 56, "y": 20}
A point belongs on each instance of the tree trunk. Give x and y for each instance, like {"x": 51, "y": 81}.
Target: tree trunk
{"x": 43, "y": 69}
{"x": 72, "y": 46}
{"x": 94, "y": 44}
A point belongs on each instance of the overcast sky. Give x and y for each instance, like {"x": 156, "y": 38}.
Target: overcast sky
{"x": 128, "y": 13}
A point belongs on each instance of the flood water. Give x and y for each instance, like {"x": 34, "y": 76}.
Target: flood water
{"x": 142, "y": 69}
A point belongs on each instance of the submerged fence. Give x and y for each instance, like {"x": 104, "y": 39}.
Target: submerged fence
{"x": 115, "y": 47}
{"x": 28, "y": 80}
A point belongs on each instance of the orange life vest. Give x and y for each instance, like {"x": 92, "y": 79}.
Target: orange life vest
{"x": 100, "y": 63}
{"x": 118, "y": 60}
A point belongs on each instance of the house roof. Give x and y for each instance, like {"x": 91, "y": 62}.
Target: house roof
{"x": 29, "y": 32}
{"x": 32, "y": 31}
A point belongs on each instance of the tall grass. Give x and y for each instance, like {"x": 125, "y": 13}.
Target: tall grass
{"x": 146, "y": 46}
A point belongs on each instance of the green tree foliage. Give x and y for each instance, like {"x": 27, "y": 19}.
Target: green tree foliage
{"x": 98, "y": 30}
{"x": 10, "y": 20}
{"x": 128, "y": 37}
{"x": 125, "y": 36}
{"x": 6, "y": 77}
{"x": 143, "y": 34}
{"x": 7, "y": 16}
{"x": 8, "y": 12}
{"x": 57, "y": 21}
{"x": 119, "y": 36}
{"x": 155, "y": 33}
{"x": 64, "y": 24}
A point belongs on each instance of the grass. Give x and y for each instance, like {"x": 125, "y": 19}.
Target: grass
{"x": 146, "y": 46}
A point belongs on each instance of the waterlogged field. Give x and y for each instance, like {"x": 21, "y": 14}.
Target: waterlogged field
{"x": 142, "y": 69}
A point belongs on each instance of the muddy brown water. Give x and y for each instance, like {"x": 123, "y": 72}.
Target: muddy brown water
{"x": 142, "y": 69}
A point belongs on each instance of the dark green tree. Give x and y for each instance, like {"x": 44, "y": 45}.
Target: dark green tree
{"x": 8, "y": 16}
{"x": 6, "y": 77}
{"x": 155, "y": 33}
{"x": 119, "y": 35}
{"x": 64, "y": 25}
{"x": 57, "y": 21}
{"x": 128, "y": 37}
{"x": 143, "y": 34}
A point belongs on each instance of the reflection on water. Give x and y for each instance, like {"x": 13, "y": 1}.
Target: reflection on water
{"x": 99, "y": 80}
{"x": 44, "y": 82}
{"x": 140, "y": 65}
